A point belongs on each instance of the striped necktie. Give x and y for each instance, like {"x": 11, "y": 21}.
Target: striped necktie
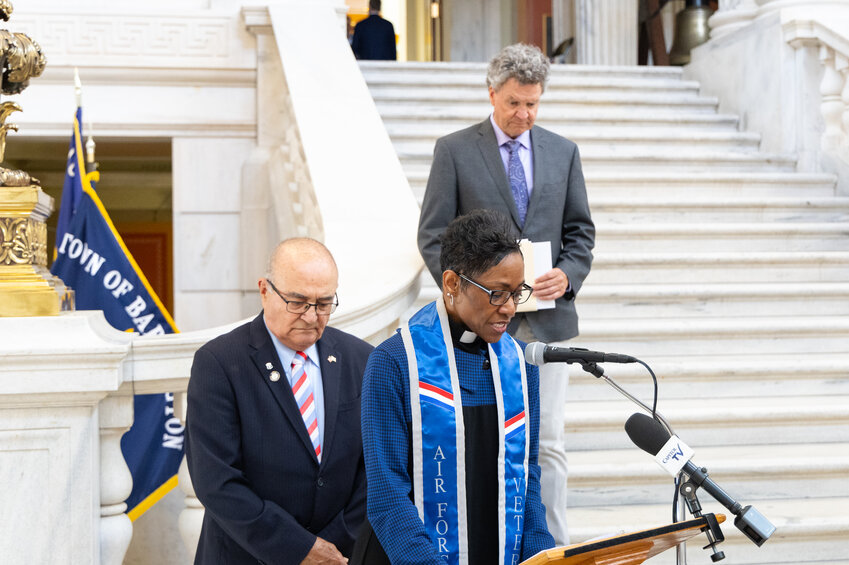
{"x": 302, "y": 389}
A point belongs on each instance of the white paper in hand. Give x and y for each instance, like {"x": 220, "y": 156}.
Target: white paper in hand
{"x": 537, "y": 256}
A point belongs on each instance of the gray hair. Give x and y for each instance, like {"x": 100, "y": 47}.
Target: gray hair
{"x": 525, "y": 63}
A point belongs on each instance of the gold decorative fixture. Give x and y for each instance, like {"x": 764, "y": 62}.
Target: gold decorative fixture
{"x": 26, "y": 286}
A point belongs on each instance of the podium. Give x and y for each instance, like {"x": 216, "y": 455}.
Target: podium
{"x": 624, "y": 549}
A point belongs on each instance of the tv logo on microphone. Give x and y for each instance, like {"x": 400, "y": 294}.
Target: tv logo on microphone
{"x": 673, "y": 455}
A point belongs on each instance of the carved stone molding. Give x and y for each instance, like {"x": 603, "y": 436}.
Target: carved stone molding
{"x": 105, "y": 39}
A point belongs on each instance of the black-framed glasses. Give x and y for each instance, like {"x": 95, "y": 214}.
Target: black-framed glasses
{"x": 500, "y": 297}
{"x": 301, "y": 307}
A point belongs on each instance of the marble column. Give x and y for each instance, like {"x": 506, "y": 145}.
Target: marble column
{"x": 606, "y": 32}
{"x": 731, "y": 16}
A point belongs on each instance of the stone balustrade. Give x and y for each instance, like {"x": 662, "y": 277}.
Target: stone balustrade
{"x": 830, "y": 40}
{"x": 63, "y": 410}
{"x": 784, "y": 70}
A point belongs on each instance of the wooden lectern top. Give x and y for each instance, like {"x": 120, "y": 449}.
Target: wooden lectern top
{"x": 624, "y": 549}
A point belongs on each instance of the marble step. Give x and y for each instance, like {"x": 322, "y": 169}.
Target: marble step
{"x": 552, "y": 102}
{"x": 716, "y": 184}
{"x": 561, "y": 106}
{"x": 685, "y": 377}
{"x": 458, "y": 117}
{"x": 635, "y": 186}
{"x": 474, "y": 79}
{"x": 618, "y": 141}
{"x": 639, "y": 160}
{"x": 704, "y": 268}
{"x": 724, "y": 236}
{"x": 652, "y": 337}
{"x": 764, "y": 472}
{"x": 808, "y": 530}
{"x": 658, "y": 300}
{"x": 709, "y": 420}
{"x": 709, "y": 209}
{"x": 734, "y": 275}
{"x": 423, "y": 135}
{"x": 449, "y": 71}
{"x": 714, "y": 267}
{"x": 471, "y": 87}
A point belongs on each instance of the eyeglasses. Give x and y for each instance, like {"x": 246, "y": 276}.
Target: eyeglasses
{"x": 500, "y": 297}
{"x": 300, "y": 307}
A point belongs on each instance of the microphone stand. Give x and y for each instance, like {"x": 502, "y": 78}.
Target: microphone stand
{"x": 593, "y": 369}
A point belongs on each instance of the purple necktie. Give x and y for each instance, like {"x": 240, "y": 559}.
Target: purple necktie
{"x": 518, "y": 184}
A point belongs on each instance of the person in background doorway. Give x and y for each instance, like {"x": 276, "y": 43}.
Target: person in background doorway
{"x": 374, "y": 37}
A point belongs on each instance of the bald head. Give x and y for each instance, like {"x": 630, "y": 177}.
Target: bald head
{"x": 301, "y": 270}
{"x": 296, "y": 249}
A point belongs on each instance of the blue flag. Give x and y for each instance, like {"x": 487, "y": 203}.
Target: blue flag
{"x": 91, "y": 258}
{"x": 72, "y": 189}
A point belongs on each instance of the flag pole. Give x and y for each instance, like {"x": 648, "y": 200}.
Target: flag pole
{"x": 78, "y": 88}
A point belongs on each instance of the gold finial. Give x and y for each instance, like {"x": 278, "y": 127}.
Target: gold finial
{"x": 6, "y": 109}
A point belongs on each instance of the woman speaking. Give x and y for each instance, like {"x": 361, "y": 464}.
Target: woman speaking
{"x": 451, "y": 417}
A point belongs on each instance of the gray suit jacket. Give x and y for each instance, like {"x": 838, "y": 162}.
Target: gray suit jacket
{"x": 468, "y": 174}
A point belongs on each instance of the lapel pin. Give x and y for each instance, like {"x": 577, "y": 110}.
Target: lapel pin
{"x": 274, "y": 376}
{"x": 331, "y": 359}
{"x": 269, "y": 366}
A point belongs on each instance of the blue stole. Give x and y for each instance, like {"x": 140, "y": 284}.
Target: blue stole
{"x": 439, "y": 443}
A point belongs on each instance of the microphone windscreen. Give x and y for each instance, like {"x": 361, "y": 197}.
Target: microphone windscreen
{"x": 534, "y": 353}
{"x": 647, "y": 433}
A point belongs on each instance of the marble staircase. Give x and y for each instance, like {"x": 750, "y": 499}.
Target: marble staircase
{"x": 718, "y": 265}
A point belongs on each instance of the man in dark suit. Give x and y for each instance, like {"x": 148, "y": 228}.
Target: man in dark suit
{"x": 534, "y": 176}
{"x": 374, "y": 37}
{"x": 273, "y": 438}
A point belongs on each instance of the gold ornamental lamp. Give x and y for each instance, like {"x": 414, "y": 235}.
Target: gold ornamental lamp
{"x": 26, "y": 286}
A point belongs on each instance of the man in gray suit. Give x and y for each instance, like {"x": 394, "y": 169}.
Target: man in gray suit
{"x": 534, "y": 176}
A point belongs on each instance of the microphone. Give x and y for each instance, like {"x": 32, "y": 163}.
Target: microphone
{"x": 670, "y": 452}
{"x": 538, "y": 353}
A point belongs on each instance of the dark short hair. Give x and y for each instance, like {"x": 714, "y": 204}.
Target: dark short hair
{"x": 374, "y": 5}
{"x": 476, "y": 242}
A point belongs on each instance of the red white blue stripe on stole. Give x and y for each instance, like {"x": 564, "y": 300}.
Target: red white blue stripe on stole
{"x": 515, "y": 425}
{"x": 435, "y": 395}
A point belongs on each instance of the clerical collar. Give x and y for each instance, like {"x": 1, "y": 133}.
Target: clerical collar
{"x": 464, "y": 338}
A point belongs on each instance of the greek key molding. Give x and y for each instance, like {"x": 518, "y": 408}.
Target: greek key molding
{"x": 23, "y": 241}
{"x": 108, "y": 38}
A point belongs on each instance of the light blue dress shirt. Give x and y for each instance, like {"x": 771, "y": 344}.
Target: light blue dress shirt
{"x": 313, "y": 369}
{"x": 526, "y": 156}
